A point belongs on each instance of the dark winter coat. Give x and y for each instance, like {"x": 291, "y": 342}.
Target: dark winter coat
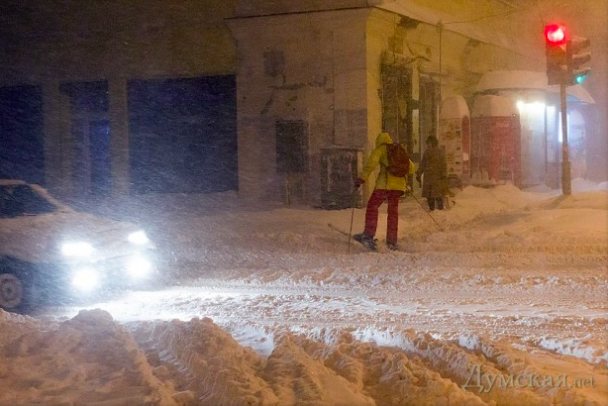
{"x": 434, "y": 169}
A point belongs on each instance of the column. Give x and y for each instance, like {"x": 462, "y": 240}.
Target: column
{"x": 119, "y": 137}
{"x": 58, "y": 145}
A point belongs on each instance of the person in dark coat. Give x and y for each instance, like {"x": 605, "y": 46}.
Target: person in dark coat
{"x": 433, "y": 167}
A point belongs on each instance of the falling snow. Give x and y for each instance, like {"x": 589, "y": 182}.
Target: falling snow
{"x": 269, "y": 306}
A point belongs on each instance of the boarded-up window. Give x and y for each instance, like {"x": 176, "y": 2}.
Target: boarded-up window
{"x": 292, "y": 146}
{"x": 183, "y": 135}
{"x": 21, "y": 133}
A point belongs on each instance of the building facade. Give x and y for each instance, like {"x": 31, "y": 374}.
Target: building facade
{"x": 319, "y": 77}
{"x": 118, "y": 97}
{"x": 275, "y": 99}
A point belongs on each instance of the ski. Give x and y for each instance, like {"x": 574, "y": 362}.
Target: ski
{"x": 338, "y": 229}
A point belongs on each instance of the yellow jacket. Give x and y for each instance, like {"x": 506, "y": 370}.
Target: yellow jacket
{"x": 384, "y": 180}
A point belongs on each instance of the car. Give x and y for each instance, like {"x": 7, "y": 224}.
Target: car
{"x": 48, "y": 250}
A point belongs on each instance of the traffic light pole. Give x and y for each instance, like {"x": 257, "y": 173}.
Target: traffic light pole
{"x": 565, "y": 66}
{"x": 566, "y": 181}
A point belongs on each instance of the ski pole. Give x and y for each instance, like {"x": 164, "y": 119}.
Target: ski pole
{"x": 422, "y": 207}
{"x": 352, "y": 217}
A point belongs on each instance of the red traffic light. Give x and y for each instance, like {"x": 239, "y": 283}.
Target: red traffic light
{"x": 555, "y": 34}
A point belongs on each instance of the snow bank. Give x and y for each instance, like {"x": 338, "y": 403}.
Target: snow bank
{"x": 89, "y": 359}
{"x": 214, "y": 368}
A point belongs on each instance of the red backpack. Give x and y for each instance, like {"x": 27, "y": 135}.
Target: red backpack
{"x": 398, "y": 160}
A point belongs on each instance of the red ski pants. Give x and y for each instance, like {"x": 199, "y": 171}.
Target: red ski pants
{"x": 371, "y": 213}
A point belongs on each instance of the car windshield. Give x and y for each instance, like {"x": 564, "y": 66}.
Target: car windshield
{"x": 21, "y": 200}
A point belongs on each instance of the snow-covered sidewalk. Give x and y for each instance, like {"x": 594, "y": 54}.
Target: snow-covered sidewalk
{"x": 506, "y": 304}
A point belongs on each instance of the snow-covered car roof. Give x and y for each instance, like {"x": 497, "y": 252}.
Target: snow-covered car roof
{"x": 4, "y": 182}
{"x": 39, "y": 189}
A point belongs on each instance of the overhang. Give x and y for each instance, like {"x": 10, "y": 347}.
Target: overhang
{"x": 519, "y": 80}
{"x": 447, "y": 21}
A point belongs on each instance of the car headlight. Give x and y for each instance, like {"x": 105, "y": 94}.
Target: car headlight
{"x": 85, "y": 279}
{"x": 139, "y": 238}
{"x": 77, "y": 249}
{"x": 139, "y": 266}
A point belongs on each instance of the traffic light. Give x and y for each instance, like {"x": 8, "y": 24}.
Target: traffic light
{"x": 578, "y": 56}
{"x": 556, "y": 48}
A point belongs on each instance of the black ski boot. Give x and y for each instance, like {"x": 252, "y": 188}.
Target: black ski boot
{"x": 366, "y": 240}
{"x": 392, "y": 246}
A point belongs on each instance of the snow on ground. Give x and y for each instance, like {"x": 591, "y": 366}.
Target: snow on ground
{"x": 503, "y": 302}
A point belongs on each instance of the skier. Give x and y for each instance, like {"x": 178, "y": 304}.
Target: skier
{"x": 433, "y": 167}
{"x": 387, "y": 188}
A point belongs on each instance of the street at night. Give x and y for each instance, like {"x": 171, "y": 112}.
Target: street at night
{"x": 304, "y": 203}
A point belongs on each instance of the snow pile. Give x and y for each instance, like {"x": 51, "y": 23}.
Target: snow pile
{"x": 214, "y": 368}
{"x": 89, "y": 359}
{"x": 583, "y": 185}
{"x": 578, "y": 348}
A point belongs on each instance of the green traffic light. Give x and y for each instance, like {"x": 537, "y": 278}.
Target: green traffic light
{"x": 580, "y": 79}
{"x": 580, "y": 75}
